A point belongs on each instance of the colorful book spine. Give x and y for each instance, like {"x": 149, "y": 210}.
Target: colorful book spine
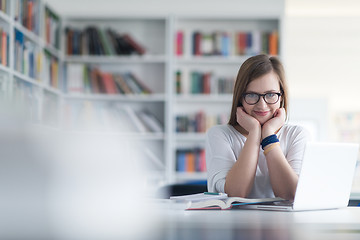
{"x": 95, "y": 41}
{"x": 190, "y": 160}
{"x": 203, "y": 83}
{"x": 179, "y": 43}
{"x": 90, "y": 79}
{"x": 198, "y": 122}
{"x": 241, "y": 43}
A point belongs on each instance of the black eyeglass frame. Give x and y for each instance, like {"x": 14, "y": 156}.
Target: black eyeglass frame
{"x": 263, "y": 96}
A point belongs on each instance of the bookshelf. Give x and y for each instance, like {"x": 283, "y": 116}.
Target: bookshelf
{"x": 59, "y": 77}
{"x": 29, "y": 71}
{"x": 96, "y": 50}
{"x": 208, "y": 52}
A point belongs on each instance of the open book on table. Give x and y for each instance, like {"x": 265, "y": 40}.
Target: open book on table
{"x": 197, "y": 197}
{"x": 228, "y": 203}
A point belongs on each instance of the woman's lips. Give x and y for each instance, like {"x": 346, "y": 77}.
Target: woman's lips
{"x": 261, "y": 113}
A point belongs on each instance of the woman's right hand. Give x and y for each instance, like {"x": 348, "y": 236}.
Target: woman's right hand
{"x": 246, "y": 121}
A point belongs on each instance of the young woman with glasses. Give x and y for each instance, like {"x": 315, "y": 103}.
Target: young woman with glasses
{"x": 256, "y": 155}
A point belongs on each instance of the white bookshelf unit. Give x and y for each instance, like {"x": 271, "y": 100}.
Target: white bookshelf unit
{"x": 31, "y": 75}
{"x": 58, "y": 90}
{"x": 225, "y": 43}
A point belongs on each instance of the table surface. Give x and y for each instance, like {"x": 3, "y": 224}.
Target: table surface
{"x": 173, "y": 222}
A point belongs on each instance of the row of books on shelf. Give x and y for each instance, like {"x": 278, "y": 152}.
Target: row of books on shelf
{"x": 4, "y": 47}
{"x": 96, "y": 41}
{"x": 199, "y": 122}
{"x": 103, "y": 116}
{"x": 83, "y": 78}
{"x": 31, "y": 61}
{"x": 27, "y": 13}
{"x": 220, "y": 43}
{"x": 50, "y": 74}
{"x": 4, "y": 4}
{"x": 26, "y": 56}
{"x": 52, "y": 28}
{"x": 197, "y": 82}
{"x": 190, "y": 160}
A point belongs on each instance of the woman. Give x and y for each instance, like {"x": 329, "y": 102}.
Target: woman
{"x": 256, "y": 155}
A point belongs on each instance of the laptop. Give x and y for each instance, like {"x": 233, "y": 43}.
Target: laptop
{"x": 325, "y": 179}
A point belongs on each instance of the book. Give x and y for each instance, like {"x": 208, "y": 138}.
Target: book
{"x": 228, "y": 203}
{"x": 199, "y": 197}
{"x": 135, "y": 45}
{"x": 75, "y": 75}
{"x": 150, "y": 121}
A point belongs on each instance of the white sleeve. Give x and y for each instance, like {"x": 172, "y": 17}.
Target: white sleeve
{"x": 297, "y": 141}
{"x": 220, "y": 158}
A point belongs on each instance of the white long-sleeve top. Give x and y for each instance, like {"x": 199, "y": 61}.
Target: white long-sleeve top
{"x": 223, "y": 146}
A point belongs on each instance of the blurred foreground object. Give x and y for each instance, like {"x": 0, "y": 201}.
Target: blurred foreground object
{"x": 58, "y": 185}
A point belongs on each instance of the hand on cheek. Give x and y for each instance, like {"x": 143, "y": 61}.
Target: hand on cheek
{"x": 274, "y": 123}
{"x": 246, "y": 121}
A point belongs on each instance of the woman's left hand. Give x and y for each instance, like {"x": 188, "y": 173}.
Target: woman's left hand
{"x": 274, "y": 123}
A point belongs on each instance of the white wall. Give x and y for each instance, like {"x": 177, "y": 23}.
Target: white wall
{"x": 322, "y": 53}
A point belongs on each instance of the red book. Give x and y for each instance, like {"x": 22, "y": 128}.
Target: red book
{"x": 242, "y": 43}
{"x": 4, "y": 49}
{"x": 69, "y": 39}
{"x": 48, "y": 23}
{"x": 198, "y": 38}
{"x": 30, "y": 15}
{"x": 179, "y": 43}
{"x": 202, "y": 161}
{"x": 138, "y": 48}
{"x": 207, "y": 83}
{"x": 109, "y": 83}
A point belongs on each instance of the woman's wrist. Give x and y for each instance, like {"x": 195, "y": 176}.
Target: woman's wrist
{"x": 266, "y": 132}
{"x": 255, "y": 134}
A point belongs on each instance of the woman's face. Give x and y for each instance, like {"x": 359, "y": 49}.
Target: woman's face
{"x": 262, "y": 111}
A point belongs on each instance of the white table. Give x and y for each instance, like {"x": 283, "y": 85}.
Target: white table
{"x": 256, "y": 224}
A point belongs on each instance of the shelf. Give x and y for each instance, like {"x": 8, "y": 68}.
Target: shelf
{"x": 5, "y": 69}
{"x": 28, "y": 79}
{"x": 36, "y": 82}
{"x": 5, "y": 17}
{"x": 52, "y": 50}
{"x": 191, "y": 176}
{"x": 53, "y": 90}
{"x": 116, "y": 59}
{"x": 121, "y": 135}
{"x": 190, "y": 137}
{"x": 118, "y": 97}
{"x": 200, "y": 98}
{"x": 211, "y": 59}
{"x": 29, "y": 34}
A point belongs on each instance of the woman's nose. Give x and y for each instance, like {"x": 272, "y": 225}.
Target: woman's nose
{"x": 261, "y": 102}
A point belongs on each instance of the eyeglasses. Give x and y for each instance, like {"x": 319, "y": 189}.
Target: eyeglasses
{"x": 269, "y": 98}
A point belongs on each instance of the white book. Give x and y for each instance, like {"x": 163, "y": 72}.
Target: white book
{"x": 156, "y": 162}
{"x": 228, "y": 203}
{"x": 198, "y": 197}
{"x": 75, "y": 78}
{"x": 135, "y": 119}
{"x": 185, "y": 81}
{"x": 256, "y": 42}
{"x": 149, "y": 120}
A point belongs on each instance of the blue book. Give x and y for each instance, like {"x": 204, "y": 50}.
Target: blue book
{"x": 181, "y": 161}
